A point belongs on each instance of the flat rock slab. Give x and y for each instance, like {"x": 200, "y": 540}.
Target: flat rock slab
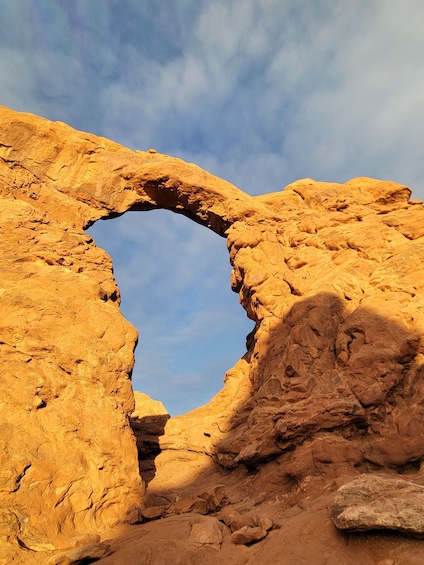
{"x": 377, "y": 502}
{"x": 86, "y": 554}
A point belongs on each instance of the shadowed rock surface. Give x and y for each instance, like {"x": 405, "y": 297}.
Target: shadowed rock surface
{"x": 148, "y": 424}
{"x": 330, "y": 386}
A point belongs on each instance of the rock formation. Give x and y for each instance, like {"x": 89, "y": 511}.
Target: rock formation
{"x": 330, "y": 387}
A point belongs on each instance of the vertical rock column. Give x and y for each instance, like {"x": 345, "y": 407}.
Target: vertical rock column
{"x": 68, "y": 463}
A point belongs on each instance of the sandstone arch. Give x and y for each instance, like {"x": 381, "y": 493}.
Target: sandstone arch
{"x": 299, "y": 256}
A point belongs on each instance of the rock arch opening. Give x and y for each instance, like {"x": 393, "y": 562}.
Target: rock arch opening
{"x": 331, "y": 386}
{"x": 174, "y": 278}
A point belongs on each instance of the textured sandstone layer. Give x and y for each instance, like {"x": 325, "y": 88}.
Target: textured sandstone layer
{"x": 330, "y": 386}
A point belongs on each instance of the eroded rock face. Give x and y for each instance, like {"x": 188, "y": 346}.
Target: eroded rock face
{"x": 65, "y": 391}
{"x": 338, "y": 323}
{"x": 331, "y": 383}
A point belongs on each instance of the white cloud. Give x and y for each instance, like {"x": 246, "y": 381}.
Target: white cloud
{"x": 358, "y": 121}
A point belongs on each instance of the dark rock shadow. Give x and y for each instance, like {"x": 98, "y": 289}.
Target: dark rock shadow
{"x": 147, "y": 431}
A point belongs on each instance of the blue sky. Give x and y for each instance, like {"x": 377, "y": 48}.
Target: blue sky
{"x": 259, "y": 92}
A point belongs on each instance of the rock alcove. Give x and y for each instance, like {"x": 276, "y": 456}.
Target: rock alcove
{"x": 330, "y": 388}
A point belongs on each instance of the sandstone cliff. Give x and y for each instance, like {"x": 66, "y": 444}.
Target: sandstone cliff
{"x": 330, "y": 387}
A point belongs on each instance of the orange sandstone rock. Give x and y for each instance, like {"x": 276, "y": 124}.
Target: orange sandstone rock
{"x": 330, "y": 385}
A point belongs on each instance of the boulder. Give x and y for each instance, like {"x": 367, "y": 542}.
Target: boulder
{"x": 376, "y": 502}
